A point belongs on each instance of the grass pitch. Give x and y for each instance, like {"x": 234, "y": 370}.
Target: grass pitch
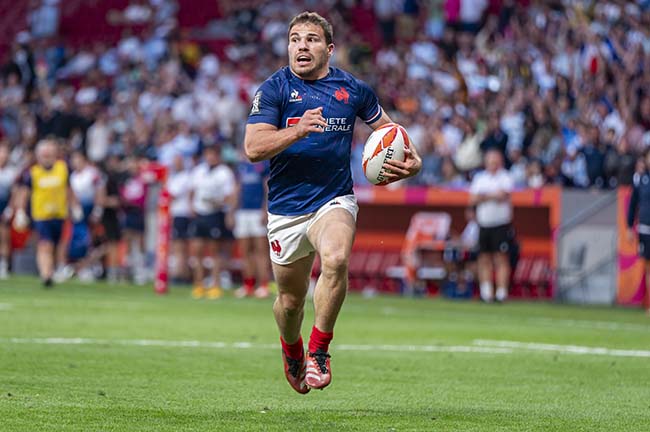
{"x": 119, "y": 358}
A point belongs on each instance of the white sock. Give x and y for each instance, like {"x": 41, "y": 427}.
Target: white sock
{"x": 501, "y": 294}
{"x": 486, "y": 291}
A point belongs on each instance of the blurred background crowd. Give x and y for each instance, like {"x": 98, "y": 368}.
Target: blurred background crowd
{"x": 561, "y": 88}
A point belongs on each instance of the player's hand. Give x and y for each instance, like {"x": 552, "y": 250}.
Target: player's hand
{"x": 398, "y": 170}
{"x": 311, "y": 121}
{"x": 630, "y": 235}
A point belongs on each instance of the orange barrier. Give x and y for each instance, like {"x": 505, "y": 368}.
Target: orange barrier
{"x": 631, "y": 278}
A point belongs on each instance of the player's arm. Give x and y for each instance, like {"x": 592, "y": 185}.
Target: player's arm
{"x": 263, "y": 141}
{"x": 395, "y": 169}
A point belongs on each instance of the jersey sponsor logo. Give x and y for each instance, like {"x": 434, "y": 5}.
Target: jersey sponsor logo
{"x": 295, "y": 96}
{"x": 292, "y": 121}
{"x": 334, "y": 124}
{"x": 276, "y": 248}
{"x": 255, "y": 109}
{"x": 342, "y": 95}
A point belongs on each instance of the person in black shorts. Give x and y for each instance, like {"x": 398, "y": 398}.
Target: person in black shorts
{"x": 109, "y": 199}
{"x": 490, "y": 193}
{"x": 212, "y": 195}
{"x": 640, "y": 203}
{"x": 179, "y": 185}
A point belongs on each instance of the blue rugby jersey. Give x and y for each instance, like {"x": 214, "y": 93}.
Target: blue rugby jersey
{"x": 315, "y": 169}
{"x": 251, "y": 178}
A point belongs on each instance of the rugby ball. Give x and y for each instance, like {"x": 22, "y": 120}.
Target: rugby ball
{"x": 385, "y": 143}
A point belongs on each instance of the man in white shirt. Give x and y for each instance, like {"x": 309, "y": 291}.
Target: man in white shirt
{"x": 179, "y": 185}
{"x": 490, "y": 193}
{"x": 212, "y": 198}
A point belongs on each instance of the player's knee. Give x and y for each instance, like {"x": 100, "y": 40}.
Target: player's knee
{"x": 291, "y": 304}
{"x": 334, "y": 262}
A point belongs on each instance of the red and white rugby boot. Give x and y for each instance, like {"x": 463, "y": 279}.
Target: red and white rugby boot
{"x": 294, "y": 370}
{"x": 319, "y": 374}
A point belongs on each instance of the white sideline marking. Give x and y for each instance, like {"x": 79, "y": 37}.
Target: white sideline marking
{"x": 249, "y": 345}
{"x": 480, "y": 346}
{"x": 599, "y": 325}
{"x": 565, "y": 349}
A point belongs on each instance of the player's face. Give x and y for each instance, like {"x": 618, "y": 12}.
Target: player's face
{"x": 308, "y": 51}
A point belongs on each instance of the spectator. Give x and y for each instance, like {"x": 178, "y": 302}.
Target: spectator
{"x": 110, "y": 203}
{"x": 495, "y": 137}
{"x": 451, "y": 178}
{"x": 490, "y": 192}
{"x": 45, "y": 185}
{"x": 250, "y": 229}
{"x": 179, "y": 185}
{"x": 133, "y": 195}
{"x": 212, "y": 219}
{"x": 85, "y": 183}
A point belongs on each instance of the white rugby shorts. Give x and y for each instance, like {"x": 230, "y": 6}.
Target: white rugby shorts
{"x": 288, "y": 234}
{"x": 248, "y": 224}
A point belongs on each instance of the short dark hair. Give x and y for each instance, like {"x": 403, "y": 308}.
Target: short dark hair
{"x": 313, "y": 18}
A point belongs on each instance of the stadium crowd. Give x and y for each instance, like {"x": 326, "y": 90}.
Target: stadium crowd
{"x": 560, "y": 88}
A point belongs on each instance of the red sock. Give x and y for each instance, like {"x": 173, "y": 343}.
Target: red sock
{"x": 319, "y": 340}
{"x": 293, "y": 350}
{"x": 249, "y": 284}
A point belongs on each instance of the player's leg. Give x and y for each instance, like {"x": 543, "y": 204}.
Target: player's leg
{"x": 288, "y": 309}
{"x": 45, "y": 261}
{"x": 484, "y": 264}
{"x": 196, "y": 266}
{"x": 485, "y": 270}
{"x": 503, "y": 238}
{"x": 218, "y": 243}
{"x": 215, "y": 249}
{"x": 246, "y": 250}
{"x": 63, "y": 271}
{"x": 45, "y": 249}
{"x": 113, "y": 232}
{"x": 262, "y": 266}
{"x": 647, "y": 287}
{"x": 502, "y": 264}
{"x": 332, "y": 236}
{"x": 5, "y": 240}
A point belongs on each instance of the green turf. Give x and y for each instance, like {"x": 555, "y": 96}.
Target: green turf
{"x": 109, "y": 385}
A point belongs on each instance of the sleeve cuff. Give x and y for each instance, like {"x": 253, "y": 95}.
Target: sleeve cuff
{"x": 376, "y": 117}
